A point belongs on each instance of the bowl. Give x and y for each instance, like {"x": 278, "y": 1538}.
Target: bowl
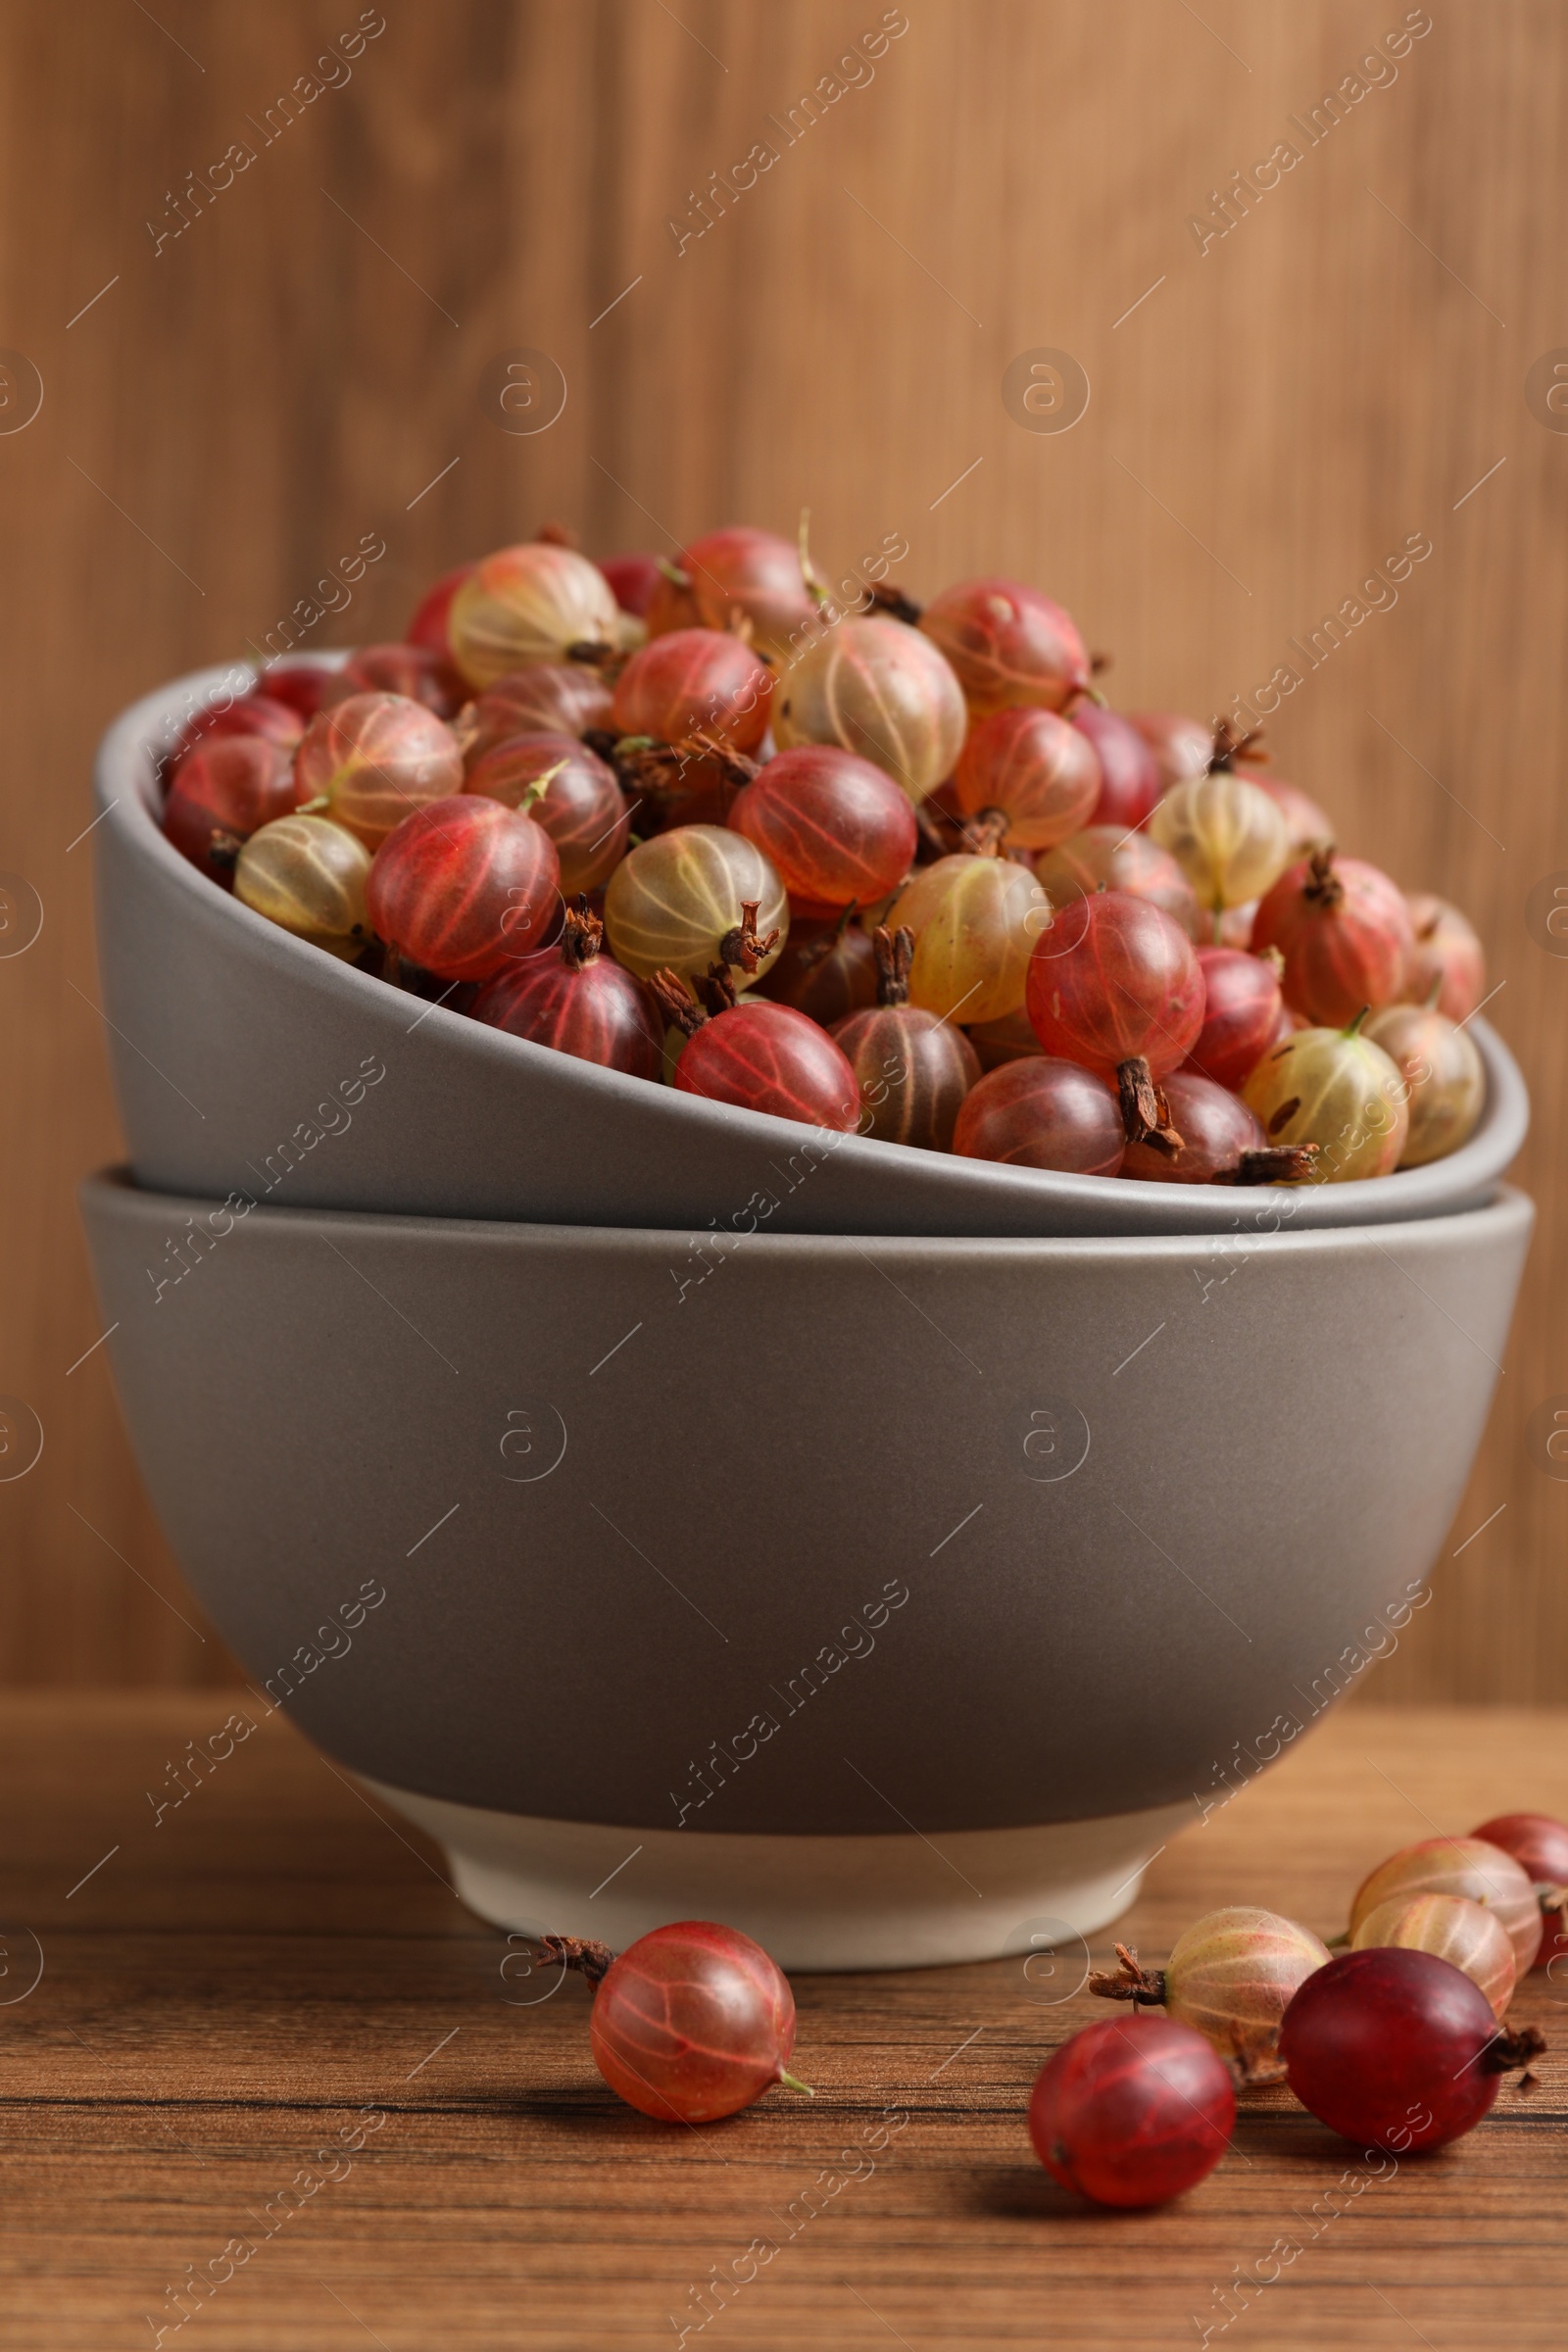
{"x": 885, "y": 1597}
{"x": 246, "y": 1062}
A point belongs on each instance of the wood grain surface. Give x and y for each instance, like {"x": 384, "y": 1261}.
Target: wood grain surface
{"x": 1273, "y": 412}
{"x": 230, "y": 1996}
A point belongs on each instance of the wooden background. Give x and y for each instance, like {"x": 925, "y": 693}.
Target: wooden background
{"x": 234, "y": 410}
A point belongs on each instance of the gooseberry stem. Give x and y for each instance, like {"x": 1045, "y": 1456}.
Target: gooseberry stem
{"x": 1277, "y": 1163}
{"x": 585, "y": 1953}
{"x": 894, "y": 953}
{"x": 1144, "y": 1112}
{"x": 741, "y": 945}
{"x": 794, "y": 2082}
{"x": 1129, "y": 1980}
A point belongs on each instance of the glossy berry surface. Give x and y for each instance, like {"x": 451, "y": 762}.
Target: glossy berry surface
{"x": 307, "y": 876}
{"x": 692, "y": 2021}
{"x": 755, "y": 573}
{"x": 300, "y": 680}
{"x": 1216, "y": 1129}
{"x": 766, "y": 1057}
{"x": 1538, "y": 1844}
{"x": 1441, "y": 1064}
{"x": 1391, "y": 2048}
{"x": 632, "y": 580}
{"x": 229, "y": 785}
{"x": 1242, "y": 1003}
{"x": 1448, "y": 956}
{"x": 838, "y": 830}
{"x": 464, "y": 887}
{"x": 1131, "y": 2112}
{"x": 1233, "y": 1974}
{"x": 1103, "y": 857}
{"x": 975, "y": 920}
{"x": 577, "y": 1001}
{"x": 673, "y": 900}
{"x": 552, "y": 697}
{"x": 912, "y": 1071}
{"x": 414, "y": 671}
{"x": 1337, "y": 1090}
{"x": 531, "y": 603}
{"x": 1112, "y": 978}
{"x": 694, "y": 683}
{"x": 581, "y": 806}
{"x": 1345, "y": 932}
{"x": 1228, "y": 837}
{"x": 1457, "y": 1929}
{"x": 1467, "y": 1866}
{"x": 1129, "y": 778}
{"x": 430, "y": 624}
{"x": 1041, "y": 1112}
{"x": 258, "y": 713}
{"x": 1042, "y": 773}
{"x": 375, "y": 759}
{"x": 1008, "y": 644}
{"x": 878, "y": 688}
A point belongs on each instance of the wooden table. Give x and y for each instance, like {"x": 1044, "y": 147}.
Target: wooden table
{"x": 272, "y": 1987}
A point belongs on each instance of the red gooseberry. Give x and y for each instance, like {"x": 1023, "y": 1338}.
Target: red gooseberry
{"x": 1241, "y": 1005}
{"x": 691, "y": 685}
{"x": 760, "y": 1056}
{"x": 838, "y": 830}
{"x": 1129, "y": 778}
{"x": 1345, "y": 932}
{"x": 1538, "y": 1844}
{"x": 1396, "y": 2049}
{"x": 912, "y": 1069}
{"x": 1103, "y": 857}
{"x": 255, "y": 713}
{"x": 632, "y": 580}
{"x": 1447, "y": 957}
{"x": 1113, "y": 983}
{"x": 431, "y": 621}
{"x": 300, "y": 680}
{"x": 827, "y": 969}
{"x": 579, "y": 1002}
{"x": 1037, "y": 1111}
{"x": 563, "y": 787}
{"x": 1221, "y": 1141}
{"x": 463, "y": 887}
{"x": 375, "y": 759}
{"x": 1042, "y": 775}
{"x": 548, "y": 698}
{"x": 223, "y": 792}
{"x": 1008, "y": 644}
{"x": 1132, "y": 2111}
{"x": 414, "y": 671}
{"x": 1309, "y": 827}
{"x": 1182, "y": 747}
{"x": 757, "y": 574}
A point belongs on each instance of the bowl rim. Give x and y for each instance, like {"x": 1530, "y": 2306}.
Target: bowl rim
{"x": 126, "y": 795}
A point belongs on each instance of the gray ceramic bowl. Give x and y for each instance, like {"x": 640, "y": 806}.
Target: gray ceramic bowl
{"x": 234, "y": 1045}
{"x": 883, "y": 1596}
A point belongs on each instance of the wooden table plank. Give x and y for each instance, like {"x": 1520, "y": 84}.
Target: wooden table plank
{"x": 273, "y": 1965}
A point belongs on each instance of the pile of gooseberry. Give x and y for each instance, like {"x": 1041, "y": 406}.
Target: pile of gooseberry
{"x": 879, "y": 868}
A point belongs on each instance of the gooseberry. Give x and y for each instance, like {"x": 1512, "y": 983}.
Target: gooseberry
{"x": 1345, "y": 932}
{"x": 680, "y": 901}
{"x": 222, "y": 793}
{"x": 552, "y": 697}
{"x": 1447, "y": 956}
{"x": 431, "y": 622}
{"x": 579, "y": 1002}
{"x": 1041, "y": 1112}
{"x": 1214, "y": 1139}
{"x": 307, "y": 875}
{"x": 1041, "y": 773}
{"x": 1457, "y": 1929}
{"x": 757, "y": 574}
{"x": 1102, "y": 858}
{"x": 837, "y": 831}
{"x": 879, "y": 688}
{"x": 567, "y": 790}
{"x": 462, "y": 886}
{"x": 1540, "y": 1844}
{"x": 1012, "y": 1039}
{"x": 827, "y": 969}
{"x": 698, "y": 687}
{"x": 1008, "y": 644}
{"x": 758, "y": 1054}
{"x": 375, "y": 759}
{"x": 413, "y": 670}
{"x": 1228, "y": 837}
{"x": 532, "y": 602}
{"x": 257, "y": 714}
{"x": 1441, "y": 1066}
{"x": 1129, "y": 778}
{"x": 1396, "y": 2049}
{"x": 1113, "y": 983}
{"x": 1241, "y": 1006}
{"x": 1304, "y": 821}
{"x": 912, "y": 1069}
{"x": 1230, "y": 1976}
{"x": 1132, "y": 2111}
{"x": 300, "y": 680}
{"x": 1468, "y": 1866}
{"x": 1336, "y": 1089}
{"x": 975, "y": 920}
{"x": 632, "y": 581}
{"x": 1181, "y": 746}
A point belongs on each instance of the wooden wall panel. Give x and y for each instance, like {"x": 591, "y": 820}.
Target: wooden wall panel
{"x": 1271, "y": 418}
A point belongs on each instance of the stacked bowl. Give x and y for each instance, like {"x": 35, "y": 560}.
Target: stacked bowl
{"x": 679, "y": 1511}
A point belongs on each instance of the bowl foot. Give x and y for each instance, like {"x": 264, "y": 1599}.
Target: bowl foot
{"x": 813, "y": 1903}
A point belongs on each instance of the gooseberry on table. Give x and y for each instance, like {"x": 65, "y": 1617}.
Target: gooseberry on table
{"x": 1398, "y": 2050}
{"x": 1132, "y": 2111}
{"x": 565, "y": 788}
{"x": 1345, "y": 932}
{"x": 879, "y": 688}
{"x": 464, "y": 886}
{"x": 975, "y": 920}
{"x": 309, "y": 877}
{"x": 535, "y": 602}
{"x": 1129, "y": 778}
{"x": 757, "y": 1054}
{"x": 837, "y": 831}
{"x": 1113, "y": 983}
{"x": 1038, "y": 1111}
{"x": 1230, "y": 1976}
{"x": 1042, "y": 774}
{"x": 373, "y": 760}
{"x": 1447, "y": 956}
{"x": 1467, "y": 1866}
{"x": 693, "y": 687}
{"x": 223, "y": 792}
{"x": 1441, "y": 1066}
{"x": 1335, "y": 1089}
{"x": 1101, "y": 858}
{"x": 1008, "y": 644}
{"x": 579, "y": 1002}
{"x": 1538, "y": 1844}
{"x": 912, "y": 1068}
{"x": 1241, "y": 1005}
{"x": 681, "y": 900}
{"x": 1457, "y": 1929}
